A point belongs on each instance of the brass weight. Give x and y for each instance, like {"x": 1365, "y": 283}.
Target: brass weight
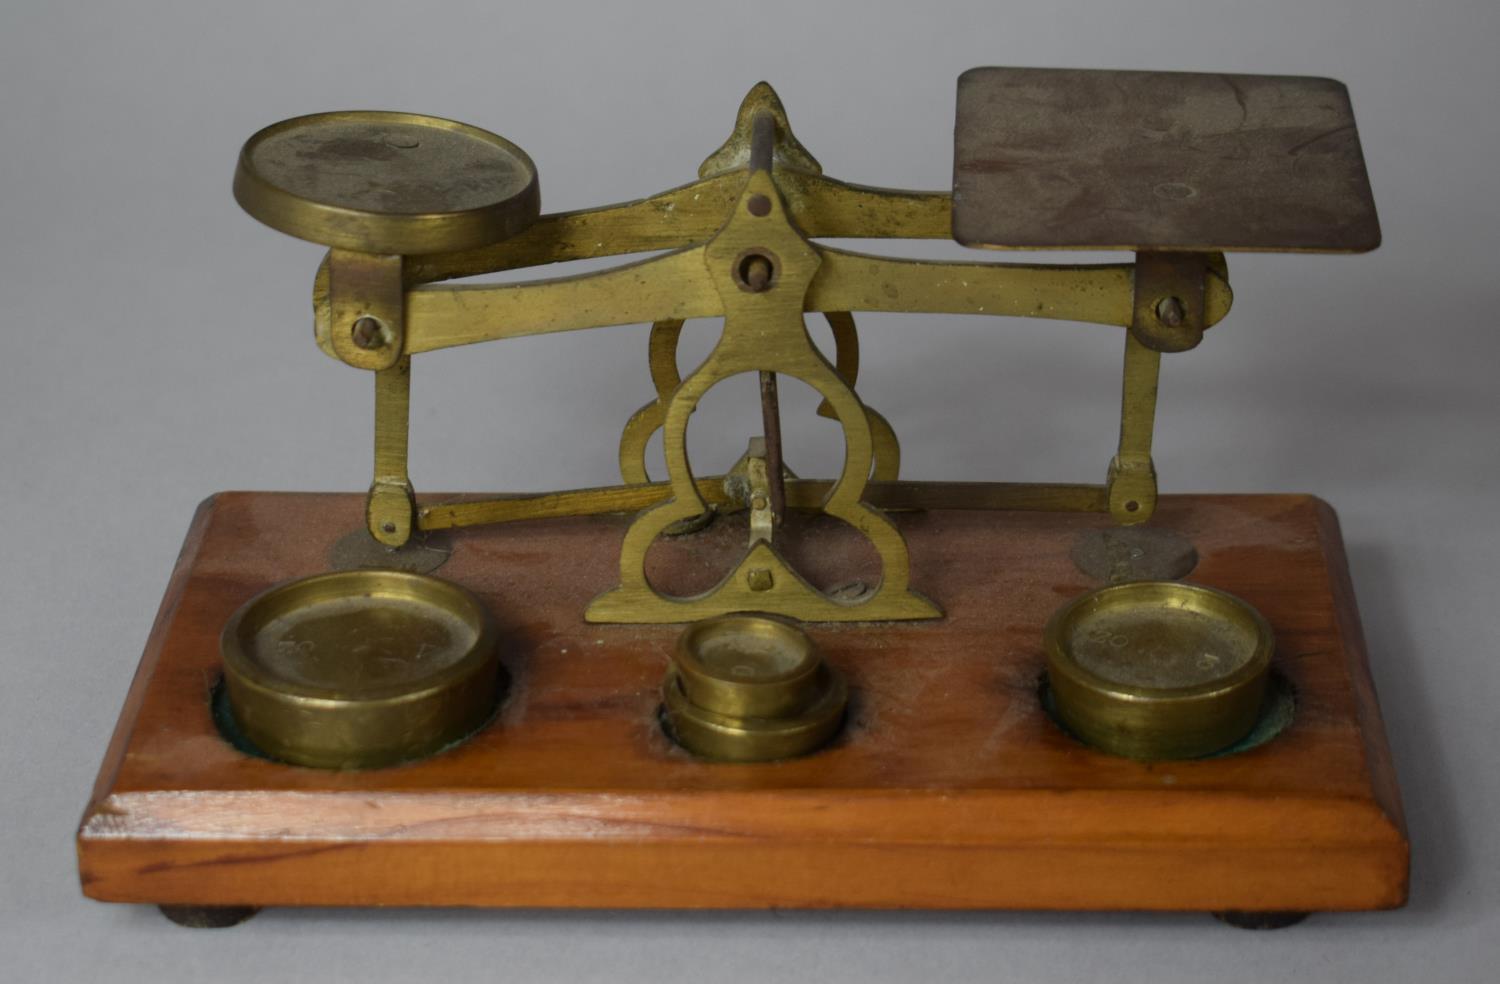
{"x": 748, "y": 688}
{"x": 360, "y": 669}
{"x": 1158, "y": 669}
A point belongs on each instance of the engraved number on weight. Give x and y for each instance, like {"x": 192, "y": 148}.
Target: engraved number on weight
{"x": 1155, "y": 653}
{"x": 1114, "y": 640}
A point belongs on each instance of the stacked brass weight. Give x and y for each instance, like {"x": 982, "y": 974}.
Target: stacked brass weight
{"x": 747, "y": 688}
{"x": 1158, "y": 669}
{"x": 360, "y": 669}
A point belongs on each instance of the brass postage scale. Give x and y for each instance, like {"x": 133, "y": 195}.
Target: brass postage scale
{"x": 762, "y": 689}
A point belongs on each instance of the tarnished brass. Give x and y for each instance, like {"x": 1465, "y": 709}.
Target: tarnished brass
{"x": 758, "y": 498}
{"x": 422, "y": 554}
{"x": 390, "y": 509}
{"x": 747, "y": 688}
{"x": 381, "y": 182}
{"x": 763, "y": 332}
{"x": 1091, "y": 159}
{"x": 682, "y": 284}
{"x": 379, "y": 664}
{"x": 1158, "y": 669}
{"x": 367, "y": 313}
{"x": 747, "y": 666}
{"x": 677, "y": 287}
{"x": 1169, "y": 300}
{"x": 1134, "y": 553}
{"x": 1131, "y": 483}
{"x": 744, "y": 243}
{"x": 802, "y": 493}
{"x": 761, "y": 103}
{"x": 360, "y": 669}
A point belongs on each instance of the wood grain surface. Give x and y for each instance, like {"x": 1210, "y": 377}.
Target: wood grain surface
{"x": 949, "y": 788}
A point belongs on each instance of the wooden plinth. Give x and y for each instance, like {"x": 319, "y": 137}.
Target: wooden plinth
{"x": 950, "y": 787}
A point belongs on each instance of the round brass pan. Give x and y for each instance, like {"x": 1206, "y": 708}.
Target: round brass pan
{"x": 360, "y": 669}
{"x": 387, "y": 182}
{"x": 1158, "y": 669}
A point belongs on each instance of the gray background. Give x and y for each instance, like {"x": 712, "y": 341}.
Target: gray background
{"x": 156, "y": 349}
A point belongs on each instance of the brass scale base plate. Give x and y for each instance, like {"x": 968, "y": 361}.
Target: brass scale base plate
{"x": 949, "y": 788}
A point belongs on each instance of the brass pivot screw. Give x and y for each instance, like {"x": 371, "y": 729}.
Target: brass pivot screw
{"x": 755, "y": 272}
{"x": 369, "y": 333}
{"x": 747, "y": 688}
{"x": 1169, "y": 311}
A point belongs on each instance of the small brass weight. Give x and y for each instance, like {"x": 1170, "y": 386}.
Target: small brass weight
{"x": 749, "y": 688}
{"x": 1036, "y": 694}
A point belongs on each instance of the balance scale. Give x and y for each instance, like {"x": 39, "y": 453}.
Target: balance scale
{"x": 759, "y": 689}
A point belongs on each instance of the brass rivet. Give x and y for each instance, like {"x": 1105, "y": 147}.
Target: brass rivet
{"x": 759, "y": 579}
{"x": 368, "y": 333}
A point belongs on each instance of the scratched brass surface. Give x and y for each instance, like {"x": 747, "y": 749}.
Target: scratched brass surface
{"x": 1090, "y": 159}
{"x": 747, "y": 688}
{"x": 743, "y": 243}
{"x": 383, "y": 182}
{"x": 1158, "y": 669}
{"x": 763, "y": 332}
{"x": 748, "y": 666}
{"x": 359, "y": 669}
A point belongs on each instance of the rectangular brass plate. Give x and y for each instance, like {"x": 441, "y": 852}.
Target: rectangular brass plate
{"x": 1085, "y": 159}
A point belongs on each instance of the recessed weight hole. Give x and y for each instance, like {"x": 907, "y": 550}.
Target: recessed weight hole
{"x": 1132, "y": 506}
